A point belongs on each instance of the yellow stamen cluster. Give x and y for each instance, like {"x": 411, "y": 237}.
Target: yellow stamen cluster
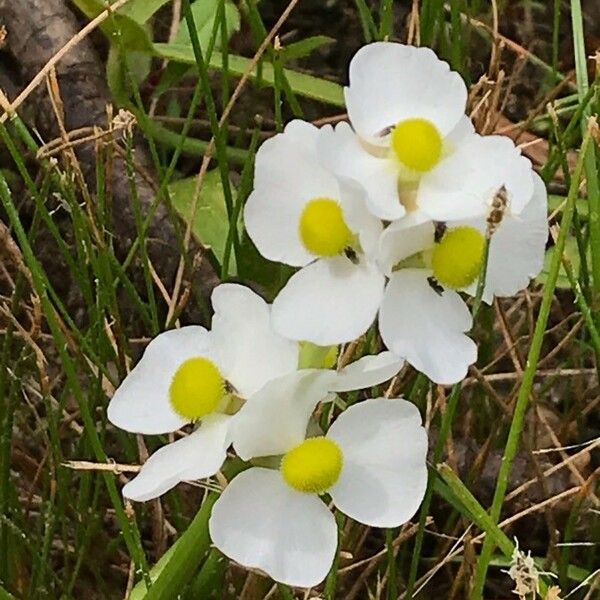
{"x": 457, "y": 258}
{"x": 323, "y": 230}
{"x": 313, "y": 466}
{"x": 196, "y": 389}
{"x": 417, "y": 144}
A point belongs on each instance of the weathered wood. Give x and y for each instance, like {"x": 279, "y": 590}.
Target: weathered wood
{"x": 36, "y": 30}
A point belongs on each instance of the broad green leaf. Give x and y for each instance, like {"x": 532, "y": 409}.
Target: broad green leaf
{"x": 323, "y": 90}
{"x": 454, "y": 491}
{"x": 269, "y": 276}
{"x": 132, "y": 35}
{"x": 205, "y": 13}
{"x": 208, "y": 584}
{"x": 304, "y": 47}
{"x": 140, "y": 590}
{"x": 182, "y": 560}
{"x": 211, "y": 222}
{"x": 141, "y": 10}
{"x": 572, "y": 253}
{"x": 138, "y": 67}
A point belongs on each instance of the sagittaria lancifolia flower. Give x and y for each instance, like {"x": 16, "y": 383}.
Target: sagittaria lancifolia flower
{"x": 422, "y": 316}
{"x": 192, "y": 375}
{"x": 410, "y": 144}
{"x": 303, "y": 215}
{"x": 371, "y": 462}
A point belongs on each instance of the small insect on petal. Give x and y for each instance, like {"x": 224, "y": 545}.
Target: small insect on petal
{"x": 497, "y": 211}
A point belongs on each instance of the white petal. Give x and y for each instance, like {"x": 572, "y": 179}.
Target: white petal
{"x": 260, "y": 522}
{"x": 274, "y": 420}
{"x": 141, "y": 403}
{"x": 288, "y": 175}
{"x": 391, "y": 82}
{"x": 341, "y": 151}
{"x": 367, "y": 372}
{"x": 403, "y": 238}
{"x": 517, "y": 248}
{"x": 272, "y": 218}
{"x": 250, "y": 352}
{"x": 464, "y": 184}
{"x": 358, "y": 217}
{"x": 464, "y": 128}
{"x": 196, "y": 456}
{"x": 384, "y": 476}
{"x": 330, "y": 301}
{"x": 427, "y": 328}
{"x": 299, "y": 136}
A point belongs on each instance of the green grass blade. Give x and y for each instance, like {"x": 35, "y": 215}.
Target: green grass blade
{"x": 591, "y": 167}
{"x": 522, "y": 403}
{"x": 129, "y": 529}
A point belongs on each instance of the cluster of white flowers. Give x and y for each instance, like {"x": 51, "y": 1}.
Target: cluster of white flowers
{"x": 388, "y": 214}
{"x": 387, "y": 217}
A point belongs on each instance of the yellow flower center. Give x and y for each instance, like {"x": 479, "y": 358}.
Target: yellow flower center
{"x": 313, "y": 466}
{"x": 196, "y": 389}
{"x": 456, "y": 259}
{"x": 323, "y": 229}
{"x": 417, "y": 144}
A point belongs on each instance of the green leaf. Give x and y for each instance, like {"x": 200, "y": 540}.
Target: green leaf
{"x": 182, "y": 559}
{"x": 4, "y": 595}
{"x": 140, "y": 590}
{"x": 304, "y": 47}
{"x": 133, "y": 35}
{"x": 138, "y": 66}
{"x": 269, "y": 276}
{"x": 211, "y": 223}
{"x": 205, "y": 13}
{"x": 572, "y": 253}
{"x": 209, "y": 581}
{"x": 323, "y": 90}
{"x": 141, "y": 10}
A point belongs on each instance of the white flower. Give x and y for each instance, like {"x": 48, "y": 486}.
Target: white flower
{"x": 412, "y": 147}
{"x": 422, "y": 317}
{"x": 192, "y": 375}
{"x": 300, "y": 214}
{"x": 371, "y": 462}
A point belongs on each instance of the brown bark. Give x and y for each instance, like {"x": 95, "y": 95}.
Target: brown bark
{"x": 36, "y": 30}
